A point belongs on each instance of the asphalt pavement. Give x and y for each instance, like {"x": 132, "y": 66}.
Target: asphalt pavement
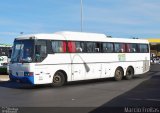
{"x": 145, "y": 97}
{"x": 87, "y": 96}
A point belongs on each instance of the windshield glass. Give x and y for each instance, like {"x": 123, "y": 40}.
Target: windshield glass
{"x": 22, "y": 51}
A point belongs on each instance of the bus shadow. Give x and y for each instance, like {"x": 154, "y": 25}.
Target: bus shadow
{"x": 9, "y": 84}
{"x": 16, "y": 85}
{"x": 146, "y": 94}
{"x": 89, "y": 82}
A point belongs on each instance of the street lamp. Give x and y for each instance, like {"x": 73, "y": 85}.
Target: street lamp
{"x": 81, "y": 15}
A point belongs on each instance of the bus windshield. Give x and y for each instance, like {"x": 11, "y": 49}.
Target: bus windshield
{"x": 23, "y": 51}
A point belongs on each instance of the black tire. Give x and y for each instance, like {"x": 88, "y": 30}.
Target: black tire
{"x": 118, "y": 74}
{"x": 129, "y": 73}
{"x": 58, "y": 79}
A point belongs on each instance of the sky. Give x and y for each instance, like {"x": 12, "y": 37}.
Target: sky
{"x": 116, "y": 18}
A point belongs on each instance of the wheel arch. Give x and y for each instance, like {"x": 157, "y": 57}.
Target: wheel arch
{"x": 65, "y": 74}
{"x": 130, "y": 67}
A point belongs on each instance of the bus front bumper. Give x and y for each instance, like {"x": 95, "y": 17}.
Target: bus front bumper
{"x": 24, "y": 79}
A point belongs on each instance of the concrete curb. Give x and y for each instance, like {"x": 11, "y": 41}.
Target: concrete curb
{"x": 4, "y": 78}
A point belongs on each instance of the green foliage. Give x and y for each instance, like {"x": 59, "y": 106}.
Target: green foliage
{"x": 3, "y": 70}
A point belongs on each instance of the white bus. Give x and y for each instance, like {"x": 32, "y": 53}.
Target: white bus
{"x": 71, "y": 56}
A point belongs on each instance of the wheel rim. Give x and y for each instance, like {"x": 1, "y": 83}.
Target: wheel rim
{"x": 118, "y": 74}
{"x": 130, "y": 72}
{"x": 56, "y": 79}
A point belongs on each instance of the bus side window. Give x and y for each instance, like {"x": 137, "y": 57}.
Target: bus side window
{"x": 59, "y": 46}
{"x": 107, "y": 47}
{"x": 71, "y": 47}
{"x": 117, "y": 48}
{"x": 79, "y": 47}
{"x": 90, "y": 47}
{"x": 97, "y": 46}
{"x": 128, "y": 48}
{"x": 131, "y": 48}
{"x": 93, "y": 47}
{"x": 43, "y": 51}
{"x": 123, "y": 49}
{"x": 143, "y": 48}
{"x": 64, "y": 46}
{"x": 134, "y": 48}
{"x": 40, "y": 50}
{"x": 37, "y": 53}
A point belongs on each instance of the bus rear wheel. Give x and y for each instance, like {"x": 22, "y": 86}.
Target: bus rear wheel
{"x": 58, "y": 79}
{"x": 129, "y": 73}
{"x": 118, "y": 74}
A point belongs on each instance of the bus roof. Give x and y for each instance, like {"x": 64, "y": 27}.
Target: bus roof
{"x": 80, "y": 36}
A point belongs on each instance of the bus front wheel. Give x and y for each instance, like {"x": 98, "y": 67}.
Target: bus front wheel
{"x": 58, "y": 79}
{"x": 118, "y": 74}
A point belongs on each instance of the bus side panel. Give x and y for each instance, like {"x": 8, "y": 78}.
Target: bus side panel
{"x": 45, "y": 70}
{"x": 103, "y": 65}
{"x": 139, "y": 61}
{"x": 80, "y": 66}
{"x": 86, "y": 66}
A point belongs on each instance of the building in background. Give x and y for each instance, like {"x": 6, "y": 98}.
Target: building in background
{"x": 154, "y": 49}
{"x": 5, "y": 53}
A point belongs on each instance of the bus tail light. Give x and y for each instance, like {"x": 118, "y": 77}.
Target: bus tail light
{"x": 28, "y": 73}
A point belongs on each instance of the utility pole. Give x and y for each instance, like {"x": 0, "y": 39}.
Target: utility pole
{"x": 81, "y": 15}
